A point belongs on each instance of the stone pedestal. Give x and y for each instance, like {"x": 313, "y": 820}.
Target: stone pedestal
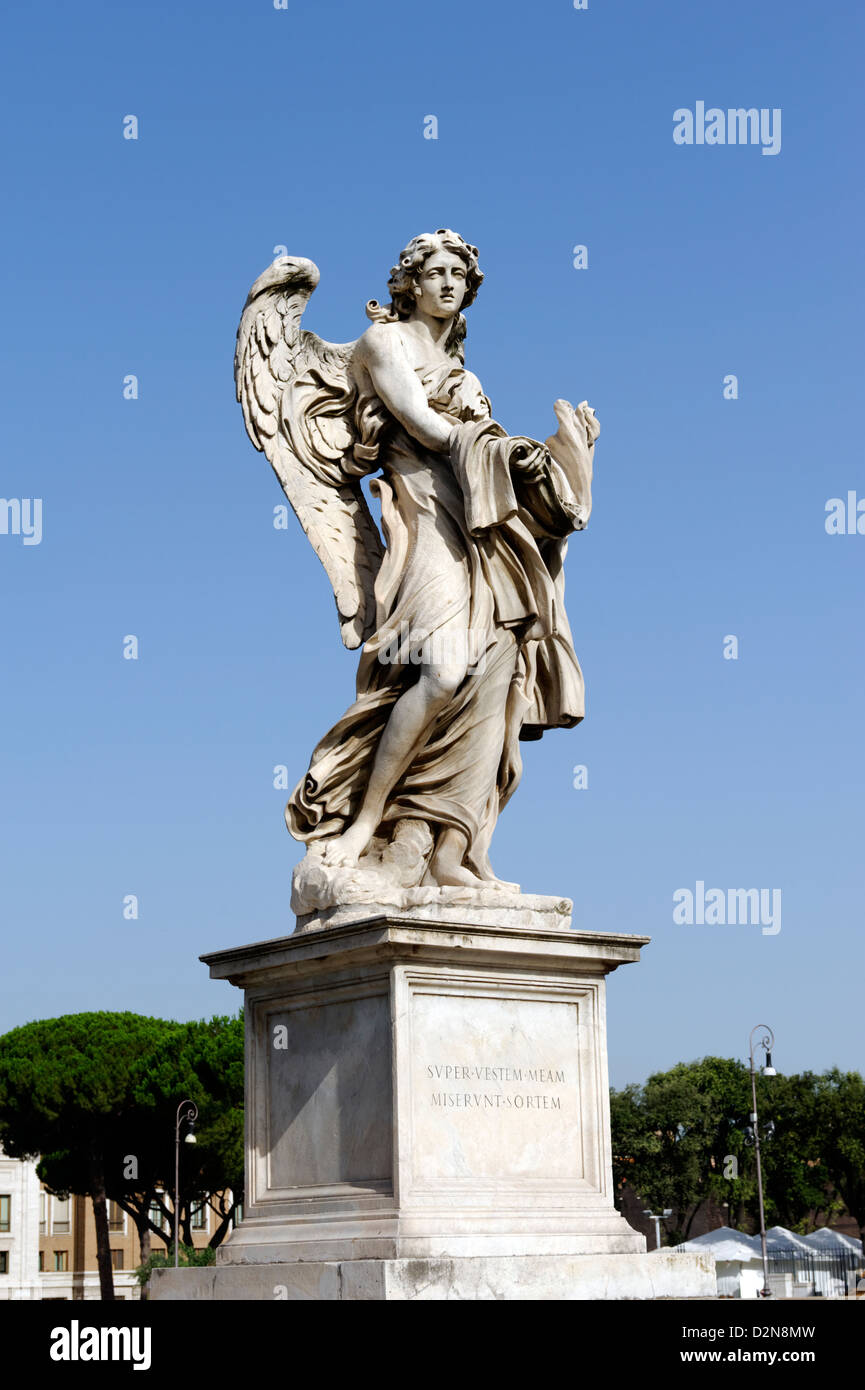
{"x": 427, "y": 1108}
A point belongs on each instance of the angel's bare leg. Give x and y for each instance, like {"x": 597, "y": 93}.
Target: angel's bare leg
{"x": 409, "y": 720}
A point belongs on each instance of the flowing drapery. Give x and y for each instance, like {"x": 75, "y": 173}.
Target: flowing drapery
{"x": 473, "y": 567}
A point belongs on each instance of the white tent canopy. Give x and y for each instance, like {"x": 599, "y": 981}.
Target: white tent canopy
{"x": 778, "y": 1239}
{"x": 827, "y": 1239}
{"x": 725, "y": 1244}
{"x": 738, "y": 1261}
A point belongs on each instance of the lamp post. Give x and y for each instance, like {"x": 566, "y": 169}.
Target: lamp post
{"x": 186, "y": 1110}
{"x": 767, "y": 1042}
{"x": 661, "y": 1216}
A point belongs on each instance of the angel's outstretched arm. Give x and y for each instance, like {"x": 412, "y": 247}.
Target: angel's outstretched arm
{"x": 398, "y": 387}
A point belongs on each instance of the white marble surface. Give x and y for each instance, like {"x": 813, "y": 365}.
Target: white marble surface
{"x": 487, "y": 907}
{"x": 437, "y": 1091}
{"x": 551, "y": 1278}
{"x": 495, "y": 1089}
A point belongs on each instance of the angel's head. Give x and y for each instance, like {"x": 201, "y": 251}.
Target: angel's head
{"x": 438, "y": 273}
{"x": 432, "y": 265}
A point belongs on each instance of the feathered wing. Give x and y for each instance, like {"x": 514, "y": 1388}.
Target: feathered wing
{"x": 298, "y": 402}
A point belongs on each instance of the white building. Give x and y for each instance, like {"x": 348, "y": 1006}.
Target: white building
{"x": 19, "y": 1229}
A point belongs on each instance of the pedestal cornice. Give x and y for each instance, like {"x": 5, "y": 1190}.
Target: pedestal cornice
{"x": 389, "y": 936}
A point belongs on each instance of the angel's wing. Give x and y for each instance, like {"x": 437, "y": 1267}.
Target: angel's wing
{"x": 298, "y": 402}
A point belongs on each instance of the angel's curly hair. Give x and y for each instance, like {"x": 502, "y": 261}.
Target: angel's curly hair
{"x": 404, "y": 277}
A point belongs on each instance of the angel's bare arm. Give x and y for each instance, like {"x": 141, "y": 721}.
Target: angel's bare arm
{"x": 397, "y": 386}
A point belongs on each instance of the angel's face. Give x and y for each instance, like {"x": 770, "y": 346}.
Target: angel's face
{"x": 440, "y": 287}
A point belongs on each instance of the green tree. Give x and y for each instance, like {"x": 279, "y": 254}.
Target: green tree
{"x": 206, "y": 1066}
{"x": 840, "y": 1124}
{"x": 679, "y": 1131}
{"x": 682, "y": 1141}
{"x": 201, "y": 1061}
{"x": 65, "y": 1086}
{"x": 635, "y": 1147}
{"x": 795, "y": 1174}
{"x": 95, "y": 1096}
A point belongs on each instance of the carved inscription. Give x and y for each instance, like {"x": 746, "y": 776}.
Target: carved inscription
{"x": 496, "y": 1089}
{"x": 492, "y": 1098}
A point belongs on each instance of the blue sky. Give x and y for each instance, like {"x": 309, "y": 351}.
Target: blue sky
{"x": 260, "y": 128}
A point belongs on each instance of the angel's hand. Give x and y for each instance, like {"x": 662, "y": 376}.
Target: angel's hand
{"x": 529, "y": 462}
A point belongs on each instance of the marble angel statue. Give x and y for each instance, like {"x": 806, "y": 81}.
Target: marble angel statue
{"x": 465, "y": 648}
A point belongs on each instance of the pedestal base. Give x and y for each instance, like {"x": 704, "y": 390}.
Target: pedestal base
{"x": 427, "y": 1101}
{"x": 664, "y": 1274}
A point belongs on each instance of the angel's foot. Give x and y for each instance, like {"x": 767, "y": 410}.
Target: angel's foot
{"x": 343, "y": 851}
{"x": 446, "y": 866}
{"x": 454, "y": 875}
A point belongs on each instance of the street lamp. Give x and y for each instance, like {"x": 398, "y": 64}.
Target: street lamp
{"x": 661, "y": 1216}
{"x": 186, "y": 1110}
{"x": 767, "y": 1042}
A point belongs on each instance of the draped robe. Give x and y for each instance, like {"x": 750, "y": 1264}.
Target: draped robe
{"x": 473, "y": 562}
